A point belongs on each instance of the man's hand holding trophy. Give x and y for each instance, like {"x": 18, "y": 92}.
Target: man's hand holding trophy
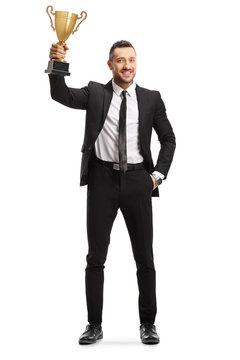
{"x": 58, "y": 52}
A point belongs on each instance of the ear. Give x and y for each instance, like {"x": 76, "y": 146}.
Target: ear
{"x": 109, "y": 64}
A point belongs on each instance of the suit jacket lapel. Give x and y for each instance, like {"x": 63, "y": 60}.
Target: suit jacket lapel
{"x": 108, "y": 94}
{"x": 141, "y": 106}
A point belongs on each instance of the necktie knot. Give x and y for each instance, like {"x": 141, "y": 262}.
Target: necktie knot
{"x": 124, "y": 92}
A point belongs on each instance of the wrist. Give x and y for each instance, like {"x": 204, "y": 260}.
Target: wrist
{"x": 157, "y": 178}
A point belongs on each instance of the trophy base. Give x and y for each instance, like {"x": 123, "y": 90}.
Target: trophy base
{"x": 57, "y": 68}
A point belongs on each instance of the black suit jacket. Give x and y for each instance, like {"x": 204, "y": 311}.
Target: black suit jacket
{"x": 95, "y": 98}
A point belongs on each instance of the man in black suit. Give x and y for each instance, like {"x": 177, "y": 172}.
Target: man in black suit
{"x": 118, "y": 168}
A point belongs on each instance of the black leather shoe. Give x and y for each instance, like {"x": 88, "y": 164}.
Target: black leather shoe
{"x": 148, "y": 334}
{"x": 92, "y": 333}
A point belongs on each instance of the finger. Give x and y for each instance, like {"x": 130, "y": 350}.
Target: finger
{"x": 56, "y": 55}
{"x": 57, "y": 52}
{"x": 58, "y": 47}
{"x": 55, "y": 45}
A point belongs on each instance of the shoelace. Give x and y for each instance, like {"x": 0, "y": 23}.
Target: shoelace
{"x": 148, "y": 326}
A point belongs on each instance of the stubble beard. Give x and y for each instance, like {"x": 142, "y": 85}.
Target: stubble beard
{"x": 119, "y": 79}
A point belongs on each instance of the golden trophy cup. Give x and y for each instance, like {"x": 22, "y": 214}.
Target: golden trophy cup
{"x": 64, "y": 25}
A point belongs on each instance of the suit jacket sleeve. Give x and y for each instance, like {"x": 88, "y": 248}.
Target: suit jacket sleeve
{"x": 71, "y": 97}
{"x": 166, "y": 137}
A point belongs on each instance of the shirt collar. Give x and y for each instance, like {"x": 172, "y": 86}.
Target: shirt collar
{"x": 117, "y": 89}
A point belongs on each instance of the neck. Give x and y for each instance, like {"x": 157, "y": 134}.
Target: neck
{"x": 122, "y": 84}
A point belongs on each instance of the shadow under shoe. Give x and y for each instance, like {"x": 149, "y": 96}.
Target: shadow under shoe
{"x": 148, "y": 334}
{"x": 92, "y": 333}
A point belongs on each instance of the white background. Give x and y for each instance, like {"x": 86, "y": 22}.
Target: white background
{"x": 189, "y": 51}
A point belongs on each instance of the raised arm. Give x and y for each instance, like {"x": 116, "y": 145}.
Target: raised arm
{"x": 72, "y": 97}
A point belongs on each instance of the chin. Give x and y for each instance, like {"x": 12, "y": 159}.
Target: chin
{"x": 126, "y": 81}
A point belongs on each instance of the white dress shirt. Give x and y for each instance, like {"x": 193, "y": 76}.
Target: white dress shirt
{"x": 106, "y": 145}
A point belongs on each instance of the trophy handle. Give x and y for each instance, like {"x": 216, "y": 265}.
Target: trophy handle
{"x": 79, "y": 18}
{"x": 50, "y": 7}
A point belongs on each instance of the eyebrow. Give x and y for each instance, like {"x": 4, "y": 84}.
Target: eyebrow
{"x": 121, "y": 57}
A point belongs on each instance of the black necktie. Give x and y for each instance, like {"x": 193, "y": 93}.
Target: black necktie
{"x": 122, "y": 134}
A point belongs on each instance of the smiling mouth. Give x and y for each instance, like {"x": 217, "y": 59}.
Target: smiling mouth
{"x": 126, "y": 72}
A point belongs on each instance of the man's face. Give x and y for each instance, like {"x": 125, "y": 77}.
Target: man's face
{"x": 123, "y": 66}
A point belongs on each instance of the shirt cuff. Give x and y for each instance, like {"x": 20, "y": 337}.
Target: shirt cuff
{"x": 158, "y": 174}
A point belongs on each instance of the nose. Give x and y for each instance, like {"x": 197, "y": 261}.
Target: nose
{"x": 127, "y": 65}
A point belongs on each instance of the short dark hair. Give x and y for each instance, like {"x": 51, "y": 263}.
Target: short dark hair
{"x": 119, "y": 44}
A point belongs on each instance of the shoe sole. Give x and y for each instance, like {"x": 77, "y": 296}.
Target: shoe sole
{"x": 89, "y": 342}
{"x": 150, "y": 341}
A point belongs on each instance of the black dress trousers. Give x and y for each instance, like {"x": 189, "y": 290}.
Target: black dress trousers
{"x": 108, "y": 190}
